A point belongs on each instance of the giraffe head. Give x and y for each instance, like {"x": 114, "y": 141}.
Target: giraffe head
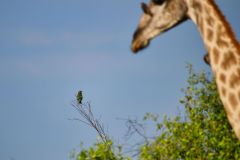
{"x": 158, "y": 17}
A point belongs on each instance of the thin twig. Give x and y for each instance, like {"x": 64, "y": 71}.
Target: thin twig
{"x": 85, "y": 111}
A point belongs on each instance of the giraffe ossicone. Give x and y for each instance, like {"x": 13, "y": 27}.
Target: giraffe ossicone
{"x": 223, "y": 48}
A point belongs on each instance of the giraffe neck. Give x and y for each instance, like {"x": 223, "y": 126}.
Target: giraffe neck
{"x": 224, "y": 52}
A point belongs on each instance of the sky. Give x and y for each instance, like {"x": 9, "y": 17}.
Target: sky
{"x": 50, "y": 49}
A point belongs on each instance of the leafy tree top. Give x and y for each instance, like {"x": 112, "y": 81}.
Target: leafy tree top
{"x": 204, "y": 131}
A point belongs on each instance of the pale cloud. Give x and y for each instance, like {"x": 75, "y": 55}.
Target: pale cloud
{"x": 66, "y": 38}
{"x": 35, "y": 38}
{"x": 43, "y": 38}
{"x": 61, "y": 65}
{"x": 86, "y": 38}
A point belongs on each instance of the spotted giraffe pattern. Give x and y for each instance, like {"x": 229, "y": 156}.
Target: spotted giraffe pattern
{"x": 217, "y": 35}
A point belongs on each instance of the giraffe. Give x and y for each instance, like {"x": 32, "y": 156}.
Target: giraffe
{"x": 222, "y": 46}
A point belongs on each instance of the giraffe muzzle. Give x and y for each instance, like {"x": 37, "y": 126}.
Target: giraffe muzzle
{"x": 139, "y": 45}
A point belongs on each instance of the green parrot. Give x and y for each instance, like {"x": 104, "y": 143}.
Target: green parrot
{"x": 79, "y": 97}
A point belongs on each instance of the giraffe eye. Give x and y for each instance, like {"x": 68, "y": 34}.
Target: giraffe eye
{"x": 158, "y": 2}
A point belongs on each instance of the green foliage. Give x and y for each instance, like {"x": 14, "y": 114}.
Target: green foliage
{"x": 101, "y": 151}
{"x": 202, "y": 133}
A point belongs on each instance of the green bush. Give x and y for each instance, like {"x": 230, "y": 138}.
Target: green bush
{"x": 101, "y": 151}
{"x": 203, "y": 133}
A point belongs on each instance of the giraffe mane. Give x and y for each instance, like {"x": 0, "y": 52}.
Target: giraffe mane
{"x": 229, "y": 30}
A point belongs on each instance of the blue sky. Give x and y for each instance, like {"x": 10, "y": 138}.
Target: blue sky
{"x": 50, "y": 49}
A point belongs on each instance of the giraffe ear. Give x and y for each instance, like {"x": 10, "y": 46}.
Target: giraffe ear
{"x": 146, "y": 9}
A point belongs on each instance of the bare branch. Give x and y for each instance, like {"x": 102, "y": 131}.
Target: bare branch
{"x": 134, "y": 127}
{"x": 85, "y": 111}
